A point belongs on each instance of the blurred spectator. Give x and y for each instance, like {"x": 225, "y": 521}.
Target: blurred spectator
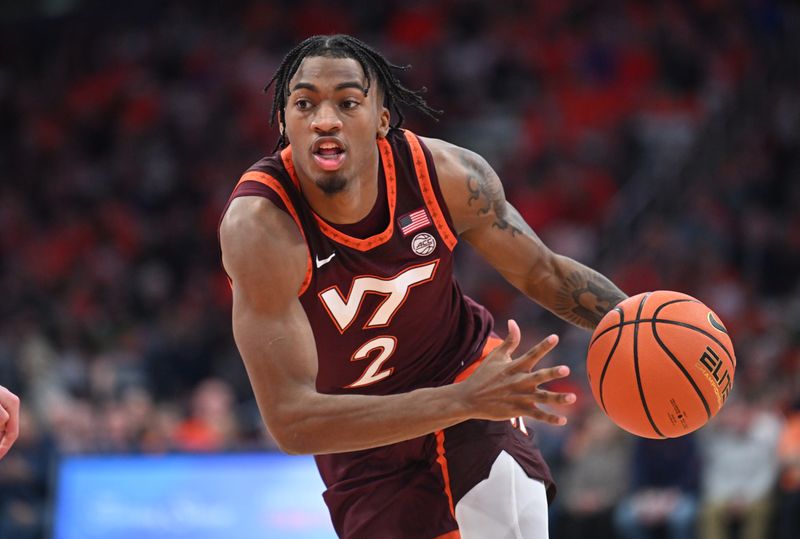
{"x": 72, "y": 423}
{"x": 597, "y": 457}
{"x": 23, "y": 482}
{"x": 789, "y": 491}
{"x": 739, "y": 471}
{"x": 212, "y": 424}
{"x": 160, "y": 434}
{"x": 663, "y": 489}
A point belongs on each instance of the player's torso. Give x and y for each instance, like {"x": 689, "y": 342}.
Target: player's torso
{"x": 386, "y": 314}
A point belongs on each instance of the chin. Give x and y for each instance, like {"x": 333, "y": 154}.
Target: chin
{"x": 331, "y": 185}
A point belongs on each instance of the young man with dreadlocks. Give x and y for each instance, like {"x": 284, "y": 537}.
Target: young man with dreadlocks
{"x": 359, "y": 344}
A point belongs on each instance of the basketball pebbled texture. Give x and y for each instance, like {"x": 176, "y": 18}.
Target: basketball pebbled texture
{"x": 661, "y": 364}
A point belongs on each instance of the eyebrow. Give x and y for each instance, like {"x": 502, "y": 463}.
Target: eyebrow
{"x": 341, "y": 86}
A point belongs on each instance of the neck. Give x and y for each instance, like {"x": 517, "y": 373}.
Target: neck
{"x": 351, "y": 204}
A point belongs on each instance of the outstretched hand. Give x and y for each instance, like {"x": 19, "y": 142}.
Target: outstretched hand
{"x": 503, "y": 387}
{"x": 9, "y": 420}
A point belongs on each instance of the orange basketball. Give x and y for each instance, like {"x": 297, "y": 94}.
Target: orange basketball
{"x": 661, "y": 364}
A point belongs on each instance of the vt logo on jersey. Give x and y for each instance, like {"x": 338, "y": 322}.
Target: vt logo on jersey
{"x": 344, "y": 309}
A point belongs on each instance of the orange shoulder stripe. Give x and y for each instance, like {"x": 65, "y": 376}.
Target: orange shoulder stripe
{"x": 391, "y": 192}
{"x": 288, "y": 164}
{"x": 275, "y": 185}
{"x": 428, "y": 195}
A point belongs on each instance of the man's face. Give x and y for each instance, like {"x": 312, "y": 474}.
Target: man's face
{"x": 331, "y": 124}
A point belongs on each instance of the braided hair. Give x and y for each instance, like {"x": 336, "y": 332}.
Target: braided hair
{"x": 372, "y": 62}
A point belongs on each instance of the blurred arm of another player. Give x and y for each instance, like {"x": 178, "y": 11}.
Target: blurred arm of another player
{"x": 9, "y": 420}
{"x": 483, "y": 217}
{"x": 266, "y": 259}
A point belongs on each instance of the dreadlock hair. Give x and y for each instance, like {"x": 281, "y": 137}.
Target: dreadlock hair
{"x": 372, "y": 62}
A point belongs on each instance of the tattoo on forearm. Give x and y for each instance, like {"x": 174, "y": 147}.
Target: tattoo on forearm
{"x": 486, "y": 194}
{"x": 585, "y": 297}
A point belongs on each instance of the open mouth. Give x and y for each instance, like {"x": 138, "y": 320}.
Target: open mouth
{"x": 329, "y": 154}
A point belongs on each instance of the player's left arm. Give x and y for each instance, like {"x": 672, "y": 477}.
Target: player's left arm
{"x": 9, "y": 420}
{"x": 486, "y": 220}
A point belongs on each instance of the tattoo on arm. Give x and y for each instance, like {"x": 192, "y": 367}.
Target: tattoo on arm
{"x": 486, "y": 194}
{"x": 585, "y": 297}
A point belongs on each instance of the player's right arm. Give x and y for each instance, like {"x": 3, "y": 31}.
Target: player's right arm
{"x": 266, "y": 259}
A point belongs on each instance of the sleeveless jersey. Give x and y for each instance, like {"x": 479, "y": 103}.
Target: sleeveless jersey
{"x": 388, "y": 317}
{"x": 386, "y": 312}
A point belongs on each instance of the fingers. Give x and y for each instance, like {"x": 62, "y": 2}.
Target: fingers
{"x": 547, "y": 417}
{"x": 527, "y": 361}
{"x": 543, "y": 396}
{"x": 511, "y": 341}
{"x": 542, "y": 376}
{"x": 549, "y": 397}
{"x": 4, "y": 445}
{"x": 9, "y": 404}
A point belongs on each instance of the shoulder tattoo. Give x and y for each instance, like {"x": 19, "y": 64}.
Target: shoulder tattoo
{"x": 486, "y": 194}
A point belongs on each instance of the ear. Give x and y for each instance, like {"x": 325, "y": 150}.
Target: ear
{"x": 383, "y": 122}
{"x": 282, "y": 130}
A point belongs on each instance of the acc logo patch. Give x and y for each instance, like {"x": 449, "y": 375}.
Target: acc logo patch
{"x": 423, "y": 244}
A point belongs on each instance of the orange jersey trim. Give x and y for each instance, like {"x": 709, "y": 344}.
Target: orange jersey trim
{"x": 442, "y": 460}
{"x": 288, "y": 164}
{"x": 275, "y": 185}
{"x": 428, "y": 195}
{"x": 491, "y": 344}
{"x": 358, "y": 244}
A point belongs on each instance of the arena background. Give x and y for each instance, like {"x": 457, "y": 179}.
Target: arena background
{"x": 658, "y": 142}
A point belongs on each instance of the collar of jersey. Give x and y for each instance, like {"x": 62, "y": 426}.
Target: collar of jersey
{"x": 365, "y": 244}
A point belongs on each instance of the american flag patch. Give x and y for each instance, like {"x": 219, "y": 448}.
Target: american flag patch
{"x": 413, "y": 221}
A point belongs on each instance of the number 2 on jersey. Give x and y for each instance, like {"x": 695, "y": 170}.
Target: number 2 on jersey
{"x": 386, "y": 344}
{"x": 343, "y": 311}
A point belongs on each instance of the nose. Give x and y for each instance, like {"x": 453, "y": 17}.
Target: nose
{"x": 326, "y": 119}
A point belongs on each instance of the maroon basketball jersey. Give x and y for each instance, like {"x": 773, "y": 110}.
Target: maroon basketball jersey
{"x": 388, "y": 317}
{"x": 386, "y": 312}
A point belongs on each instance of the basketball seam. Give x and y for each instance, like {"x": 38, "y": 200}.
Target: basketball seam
{"x": 635, "y": 321}
{"x": 608, "y": 359}
{"x": 682, "y": 368}
{"x": 674, "y": 323}
{"x": 636, "y": 367}
{"x": 731, "y": 357}
{"x": 674, "y": 359}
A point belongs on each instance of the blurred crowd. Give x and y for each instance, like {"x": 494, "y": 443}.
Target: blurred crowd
{"x": 658, "y": 142}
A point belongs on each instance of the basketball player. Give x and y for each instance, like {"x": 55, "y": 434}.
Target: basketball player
{"x": 359, "y": 344}
{"x": 9, "y": 420}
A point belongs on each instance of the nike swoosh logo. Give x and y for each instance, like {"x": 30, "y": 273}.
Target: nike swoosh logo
{"x": 324, "y": 261}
